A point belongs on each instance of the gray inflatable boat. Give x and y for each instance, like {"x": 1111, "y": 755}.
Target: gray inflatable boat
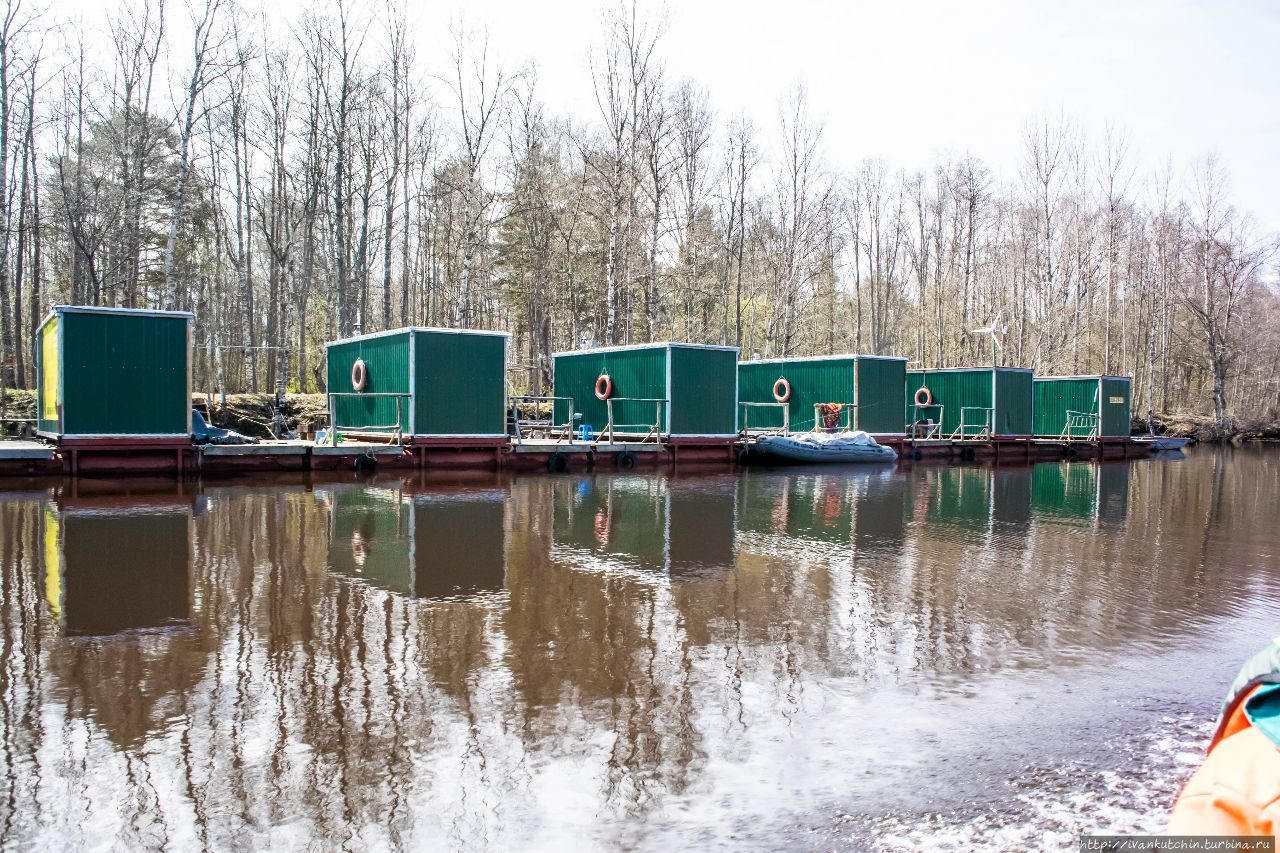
{"x": 838, "y": 447}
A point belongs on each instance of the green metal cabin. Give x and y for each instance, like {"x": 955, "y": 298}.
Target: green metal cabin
{"x": 873, "y": 384}
{"x": 997, "y": 398}
{"x": 428, "y": 382}
{"x": 1093, "y": 400}
{"x": 686, "y": 389}
{"x": 113, "y": 373}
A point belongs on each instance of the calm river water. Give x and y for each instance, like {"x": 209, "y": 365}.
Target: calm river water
{"x": 919, "y": 658}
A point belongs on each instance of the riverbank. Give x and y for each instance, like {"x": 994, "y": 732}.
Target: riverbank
{"x": 1202, "y": 428}
{"x": 253, "y": 414}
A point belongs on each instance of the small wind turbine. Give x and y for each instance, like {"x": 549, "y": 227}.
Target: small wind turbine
{"x": 995, "y": 331}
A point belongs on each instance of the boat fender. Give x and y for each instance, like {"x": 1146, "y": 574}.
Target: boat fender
{"x": 557, "y": 463}
{"x": 917, "y": 455}
{"x": 782, "y": 390}
{"x": 359, "y": 375}
{"x": 626, "y": 460}
{"x": 366, "y": 463}
{"x": 924, "y": 397}
{"x": 604, "y": 387}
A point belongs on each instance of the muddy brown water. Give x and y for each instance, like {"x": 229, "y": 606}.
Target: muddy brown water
{"x": 880, "y": 658}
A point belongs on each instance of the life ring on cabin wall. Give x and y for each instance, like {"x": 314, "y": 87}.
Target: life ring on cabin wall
{"x": 782, "y": 390}
{"x": 924, "y": 397}
{"x": 359, "y": 375}
{"x": 604, "y": 387}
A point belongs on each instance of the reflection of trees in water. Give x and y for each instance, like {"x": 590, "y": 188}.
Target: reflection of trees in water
{"x": 594, "y": 644}
{"x": 302, "y": 703}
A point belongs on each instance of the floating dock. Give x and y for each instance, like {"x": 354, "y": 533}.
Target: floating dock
{"x": 117, "y": 457}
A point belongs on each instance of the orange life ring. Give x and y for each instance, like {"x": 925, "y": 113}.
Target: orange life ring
{"x": 359, "y": 375}
{"x": 924, "y": 397}
{"x": 785, "y": 394}
{"x": 604, "y": 387}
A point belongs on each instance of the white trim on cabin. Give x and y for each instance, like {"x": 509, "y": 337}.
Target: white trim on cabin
{"x": 136, "y": 312}
{"x": 406, "y": 329}
{"x": 1086, "y": 376}
{"x": 967, "y": 369}
{"x": 799, "y": 358}
{"x": 654, "y": 345}
{"x": 413, "y": 381}
{"x": 667, "y": 391}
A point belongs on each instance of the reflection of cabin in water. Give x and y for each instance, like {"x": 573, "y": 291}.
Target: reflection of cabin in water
{"x": 955, "y": 501}
{"x": 1080, "y": 491}
{"x": 864, "y": 507}
{"x": 430, "y": 545}
{"x": 114, "y": 569}
{"x": 676, "y": 526}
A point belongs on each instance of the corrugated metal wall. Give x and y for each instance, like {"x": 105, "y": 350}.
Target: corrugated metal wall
{"x": 125, "y": 374}
{"x": 1055, "y": 396}
{"x": 829, "y": 380}
{"x": 952, "y": 390}
{"x": 461, "y": 383}
{"x": 1116, "y": 405}
{"x": 971, "y": 387}
{"x": 636, "y": 372}
{"x": 704, "y": 391}
{"x": 1108, "y": 397}
{"x": 875, "y": 384}
{"x": 386, "y": 360}
{"x": 1013, "y": 401}
{"x": 881, "y": 394}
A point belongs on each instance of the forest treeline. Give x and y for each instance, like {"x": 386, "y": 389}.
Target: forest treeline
{"x": 294, "y": 181}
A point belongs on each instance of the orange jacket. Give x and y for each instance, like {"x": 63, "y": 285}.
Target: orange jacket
{"x": 1236, "y": 791}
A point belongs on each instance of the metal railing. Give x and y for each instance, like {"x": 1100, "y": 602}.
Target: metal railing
{"x": 746, "y": 417}
{"x": 522, "y": 428}
{"x": 653, "y": 430}
{"x": 983, "y": 427}
{"x": 841, "y": 422}
{"x": 396, "y": 430}
{"x": 1081, "y": 426}
{"x": 932, "y": 429}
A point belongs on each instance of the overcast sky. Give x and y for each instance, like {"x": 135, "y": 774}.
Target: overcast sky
{"x": 907, "y": 81}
